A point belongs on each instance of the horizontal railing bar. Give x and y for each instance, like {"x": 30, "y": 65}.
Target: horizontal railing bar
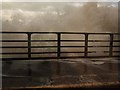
{"x": 37, "y": 46}
{"x": 103, "y": 40}
{"x": 57, "y": 32}
{"x": 45, "y": 52}
{"x": 31, "y": 53}
{"x": 42, "y": 32}
{"x": 70, "y": 57}
{"x": 89, "y": 46}
{"x": 73, "y": 57}
{"x": 14, "y": 32}
{"x": 112, "y": 51}
{"x": 60, "y": 52}
{"x": 116, "y": 40}
{"x": 14, "y": 53}
{"x": 55, "y": 46}
{"x": 60, "y": 57}
{"x": 43, "y": 40}
{"x": 56, "y": 40}
{"x": 14, "y": 47}
{"x": 103, "y": 46}
{"x": 116, "y": 46}
{"x": 103, "y": 51}
{"x": 79, "y": 52}
{"x": 98, "y": 46}
{"x": 88, "y": 52}
{"x": 116, "y": 51}
{"x": 98, "y": 40}
{"x": 13, "y": 40}
{"x": 51, "y": 46}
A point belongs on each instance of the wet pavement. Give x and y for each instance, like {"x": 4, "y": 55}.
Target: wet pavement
{"x": 59, "y": 72}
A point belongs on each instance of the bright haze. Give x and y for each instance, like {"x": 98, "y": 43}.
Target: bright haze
{"x": 60, "y": 16}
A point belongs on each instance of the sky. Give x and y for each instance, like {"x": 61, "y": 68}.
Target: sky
{"x": 59, "y": 0}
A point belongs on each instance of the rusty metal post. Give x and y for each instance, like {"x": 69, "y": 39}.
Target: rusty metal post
{"x": 58, "y": 53}
{"x": 111, "y": 52}
{"x": 29, "y": 45}
{"x": 111, "y": 46}
{"x": 58, "y": 45}
{"x": 29, "y": 54}
{"x": 86, "y": 45}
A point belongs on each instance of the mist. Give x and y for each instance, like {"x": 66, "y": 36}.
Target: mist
{"x": 60, "y": 17}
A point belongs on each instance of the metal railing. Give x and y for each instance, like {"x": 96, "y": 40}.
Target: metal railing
{"x": 59, "y": 39}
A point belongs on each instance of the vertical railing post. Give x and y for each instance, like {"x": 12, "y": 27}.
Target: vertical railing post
{"x": 58, "y": 53}
{"x": 29, "y": 54}
{"x": 111, "y": 45}
{"x": 111, "y": 51}
{"x": 29, "y": 45}
{"x": 58, "y": 45}
{"x": 86, "y": 45}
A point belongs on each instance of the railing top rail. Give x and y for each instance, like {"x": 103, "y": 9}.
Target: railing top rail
{"x": 57, "y": 33}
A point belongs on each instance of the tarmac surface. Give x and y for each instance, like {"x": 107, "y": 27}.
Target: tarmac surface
{"x": 31, "y": 73}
